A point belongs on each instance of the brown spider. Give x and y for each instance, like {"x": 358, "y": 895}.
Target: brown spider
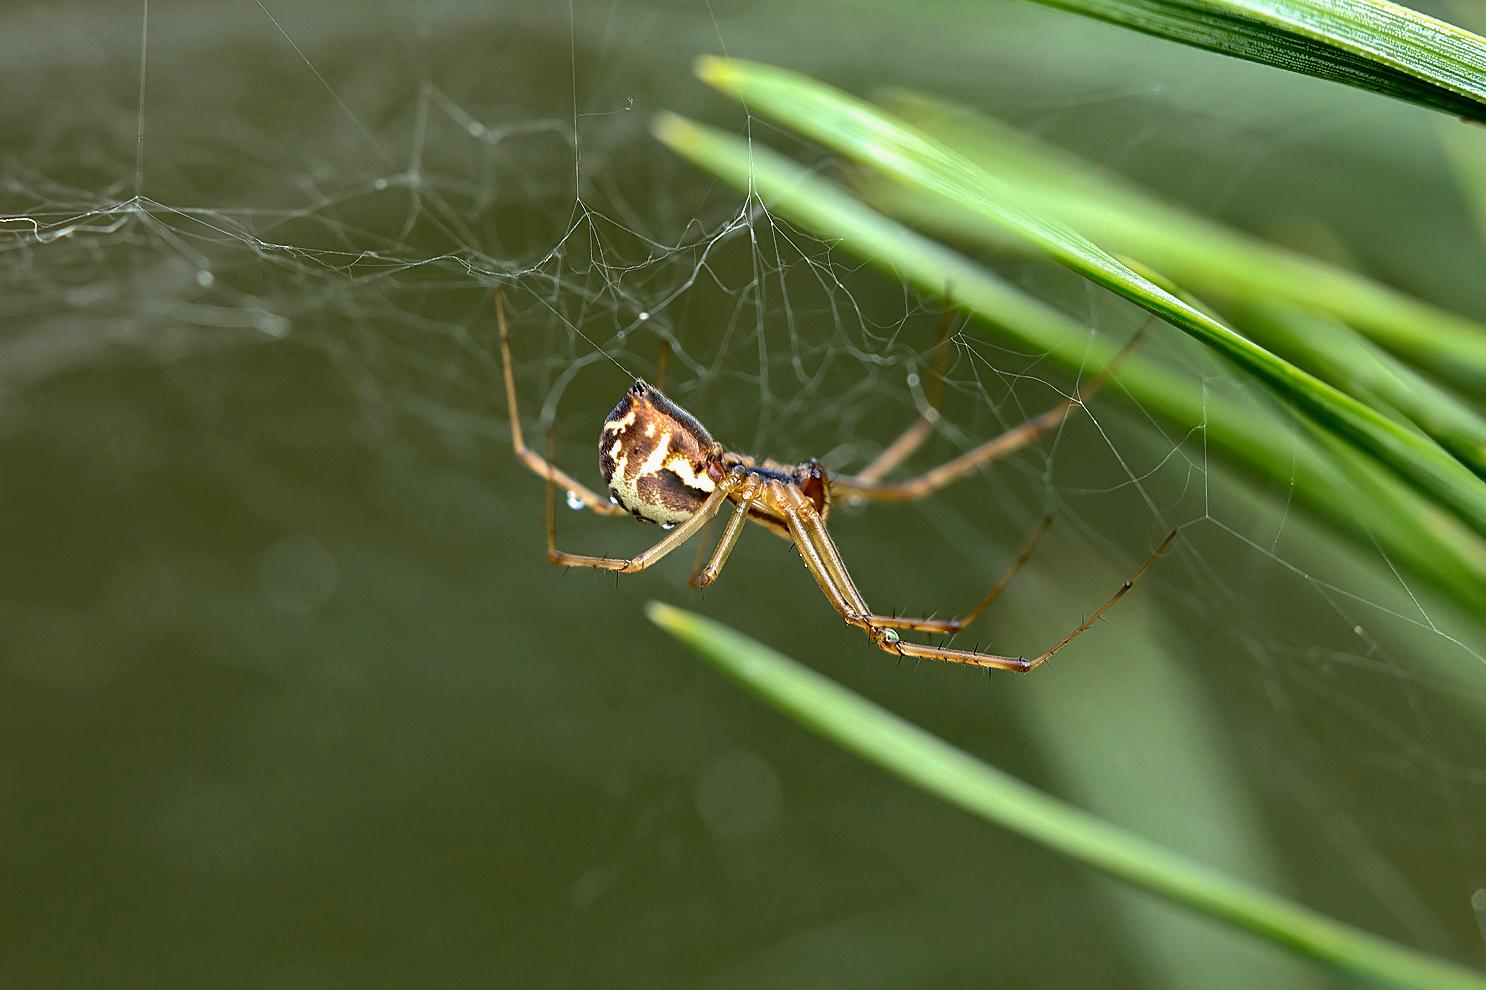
{"x": 662, "y": 466}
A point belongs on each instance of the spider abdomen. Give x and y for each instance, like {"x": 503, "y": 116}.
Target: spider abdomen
{"x": 654, "y": 455}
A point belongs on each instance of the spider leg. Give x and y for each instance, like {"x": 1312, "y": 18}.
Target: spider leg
{"x": 870, "y": 488}
{"x": 855, "y": 610}
{"x": 1021, "y": 663}
{"x": 1011, "y": 571}
{"x": 950, "y": 627}
{"x": 818, "y": 552}
{"x": 847, "y": 601}
{"x": 919, "y": 430}
{"x": 671, "y": 541}
{"x": 742, "y": 505}
{"x": 702, "y": 556}
{"x": 539, "y": 464}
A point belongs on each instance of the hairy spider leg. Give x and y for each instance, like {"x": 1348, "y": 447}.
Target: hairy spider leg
{"x": 542, "y": 466}
{"x": 847, "y": 600}
{"x": 951, "y": 626}
{"x": 819, "y": 553}
{"x": 1021, "y": 663}
{"x": 844, "y": 599}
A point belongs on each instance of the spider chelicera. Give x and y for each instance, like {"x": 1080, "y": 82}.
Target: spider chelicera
{"x": 662, "y": 466}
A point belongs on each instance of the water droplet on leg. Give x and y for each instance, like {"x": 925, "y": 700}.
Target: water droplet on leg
{"x": 574, "y": 501}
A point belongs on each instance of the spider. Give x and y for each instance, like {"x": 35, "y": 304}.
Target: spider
{"x": 662, "y": 466}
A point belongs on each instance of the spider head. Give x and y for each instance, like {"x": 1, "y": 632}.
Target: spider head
{"x": 654, "y": 456}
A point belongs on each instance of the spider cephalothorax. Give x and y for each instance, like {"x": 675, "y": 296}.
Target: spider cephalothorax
{"x": 662, "y": 466}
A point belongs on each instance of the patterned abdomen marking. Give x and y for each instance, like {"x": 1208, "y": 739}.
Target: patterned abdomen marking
{"x": 653, "y": 455}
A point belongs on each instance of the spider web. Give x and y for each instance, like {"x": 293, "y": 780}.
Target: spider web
{"x": 267, "y": 539}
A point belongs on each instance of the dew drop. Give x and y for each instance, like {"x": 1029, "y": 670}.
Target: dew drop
{"x": 912, "y": 380}
{"x": 643, "y": 316}
{"x": 204, "y": 278}
{"x": 667, "y": 525}
{"x": 574, "y": 501}
{"x": 613, "y": 500}
{"x": 380, "y": 184}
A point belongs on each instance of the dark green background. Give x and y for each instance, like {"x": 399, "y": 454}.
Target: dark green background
{"x": 400, "y": 749}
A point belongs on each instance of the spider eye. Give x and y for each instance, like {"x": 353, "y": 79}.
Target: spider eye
{"x": 653, "y": 455}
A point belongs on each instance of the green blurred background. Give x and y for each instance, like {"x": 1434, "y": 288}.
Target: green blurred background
{"x": 292, "y": 698}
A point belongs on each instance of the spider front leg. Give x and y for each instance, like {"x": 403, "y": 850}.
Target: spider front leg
{"x": 819, "y": 553}
{"x": 1021, "y": 663}
{"x": 538, "y": 464}
{"x": 821, "y": 558}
